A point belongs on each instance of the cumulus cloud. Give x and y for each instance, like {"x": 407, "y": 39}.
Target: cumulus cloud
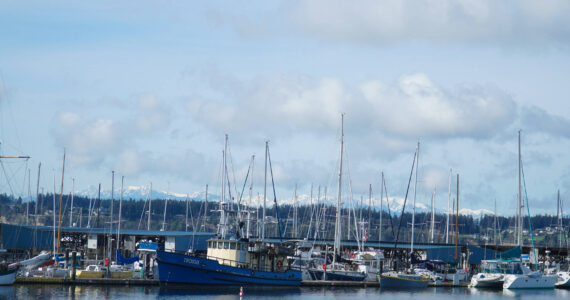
{"x": 500, "y": 22}
{"x": 412, "y": 107}
{"x": 94, "y": 140}
{"x": 537, "y": 119}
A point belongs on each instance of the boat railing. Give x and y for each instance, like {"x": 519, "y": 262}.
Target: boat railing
{"x": 283, "y": 267}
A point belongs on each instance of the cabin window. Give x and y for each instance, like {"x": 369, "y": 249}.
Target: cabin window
{"x": 210, "y": 244}
{"x": 220, "y": 245}
{"x": 232, "y": 246}
{"x": 213, "y": 244}
{"x": 226, "y": 245}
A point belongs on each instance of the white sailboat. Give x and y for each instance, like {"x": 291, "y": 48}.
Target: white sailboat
{"x": 338, "y": 271}
{"x": 526, "y": 278}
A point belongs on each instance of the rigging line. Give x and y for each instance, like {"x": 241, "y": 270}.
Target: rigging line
{"x": 232, "y": 168}
{"x": 143, "y": 211}
{"x": 528, "y": 213}
{"x": 274, "y": 196}
{"x": 7, "y": 178}
{"x": 405, "y": 200}
{"x": 388, "y": 205}
{"x": 351, "y": 195}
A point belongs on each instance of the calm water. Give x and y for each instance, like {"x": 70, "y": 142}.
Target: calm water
{"x": 137, "y": 292}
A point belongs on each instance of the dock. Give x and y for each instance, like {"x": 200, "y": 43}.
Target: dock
{"x": 94, "y": 281}
{"x": 155, "y": 282}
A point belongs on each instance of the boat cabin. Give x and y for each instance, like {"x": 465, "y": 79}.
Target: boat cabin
{"x": 249, "y": 254}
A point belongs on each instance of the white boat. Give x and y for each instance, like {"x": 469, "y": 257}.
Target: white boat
{"x": 562, "y": 280}
{"x": 8, "y": 274}
{"x": 524, "y": 278}
{"x": 91, "y": 271}
{"x": 492, "y": 273}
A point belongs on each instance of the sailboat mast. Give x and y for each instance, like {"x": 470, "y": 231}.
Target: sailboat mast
{"x": 72, "y": 196}
{"x": 457, "y": 220}
{"x": 295, "y": 213}
{"x": 247, "y": 232}
{"x": 37, "y": 204}
{"x": 149, "y": 206}
{"x": 112, "y": 205}
{"x": 120, "y": 212}
{"x": 60, "y": 201}
{"x": 415, "y": 192}
{"x": 337, "y": 223}
{"x": 164, "y": 212}
{"x": 448, "y": 209}
{"x": 381, "y": 195}
{"x": 519, "y": 199}
{"x": 53, "y": 210}
{"x": 264, "y": 193}
{"x": 432, "y": 214}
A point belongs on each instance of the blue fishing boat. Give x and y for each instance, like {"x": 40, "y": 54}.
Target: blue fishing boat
{"x": 230, "y": 262}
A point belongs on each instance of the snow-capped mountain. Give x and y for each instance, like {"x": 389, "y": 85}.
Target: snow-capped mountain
{"x": 141, "y": 193}
{"x": 395, "y": 203}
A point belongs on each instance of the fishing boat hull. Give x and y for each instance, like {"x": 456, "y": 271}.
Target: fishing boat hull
{"x": 402, "y": 281}
{"x": 336, "y": 275}
{"x": 529, "y": 281}
{"x": 8, "y": 277}
{"x": 177, "y": 268}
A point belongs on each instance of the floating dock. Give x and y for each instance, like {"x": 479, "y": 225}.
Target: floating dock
{"x": 95, "y": 281}
{"x": 155, "y": 282}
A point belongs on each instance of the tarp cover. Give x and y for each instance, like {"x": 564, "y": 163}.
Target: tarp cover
{"x": 125, "y": 261}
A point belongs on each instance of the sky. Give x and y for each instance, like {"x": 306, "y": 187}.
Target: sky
{"x": 149, "y": 89}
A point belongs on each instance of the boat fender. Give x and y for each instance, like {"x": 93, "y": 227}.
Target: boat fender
{"x": 279, "y": 264}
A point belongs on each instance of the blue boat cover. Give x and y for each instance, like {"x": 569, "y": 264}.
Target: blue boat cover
{"x": 125, "y": 261}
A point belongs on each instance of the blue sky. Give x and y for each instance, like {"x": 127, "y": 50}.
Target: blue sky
{"x": 149, "y": 89}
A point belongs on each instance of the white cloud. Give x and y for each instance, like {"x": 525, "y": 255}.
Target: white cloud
{"x": 411, "y": 108}
{"x": 499, "y": 22}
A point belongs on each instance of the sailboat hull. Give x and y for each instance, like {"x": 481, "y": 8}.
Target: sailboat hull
{"x": 8, "y": 277}
{"x": 336, "y": 275}
{"x": 402, "y": 281}
{"x": 177, "y": 268}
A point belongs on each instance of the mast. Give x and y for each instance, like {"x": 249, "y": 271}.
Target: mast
{"x": 120, "y": 211}
{"x": 415, "y": 191}
{"x": 29, "y": 198}
{"x": 519, "y": 199}
{"x": 186, "y": 219}
{"x": 247, "y": 231}
{"x": 149, "y": 206}
{"x": 369, "y": 208}
{"x": 337, "y": 223}
{"x": 381, "y": 195}
{"x": 60, "y": 200}
{"x": 432, "y": 214}
{"x": 53, "y": 211}
{"x": 264, "y": 193}
{"x": 495, "y": 225}
{"x": 112, "y": 205}
{"x": 37, "y": 204}
{"x": 457, "y": 220}
{"x": 295, "y": 213}
{"x": 448, "y": 209}
{"x": 223, "y": 220}
{"x": 206, "y": 208}
{"x": 559, "y": 213}
{"x": 98, "y": 207}
{"x": 72, "y": 195}
{"x": 164, "y": 213}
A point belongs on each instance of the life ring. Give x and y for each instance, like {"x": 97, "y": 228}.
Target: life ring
{"x": 352, "y": 255}
{"x": 279, "y": 264}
